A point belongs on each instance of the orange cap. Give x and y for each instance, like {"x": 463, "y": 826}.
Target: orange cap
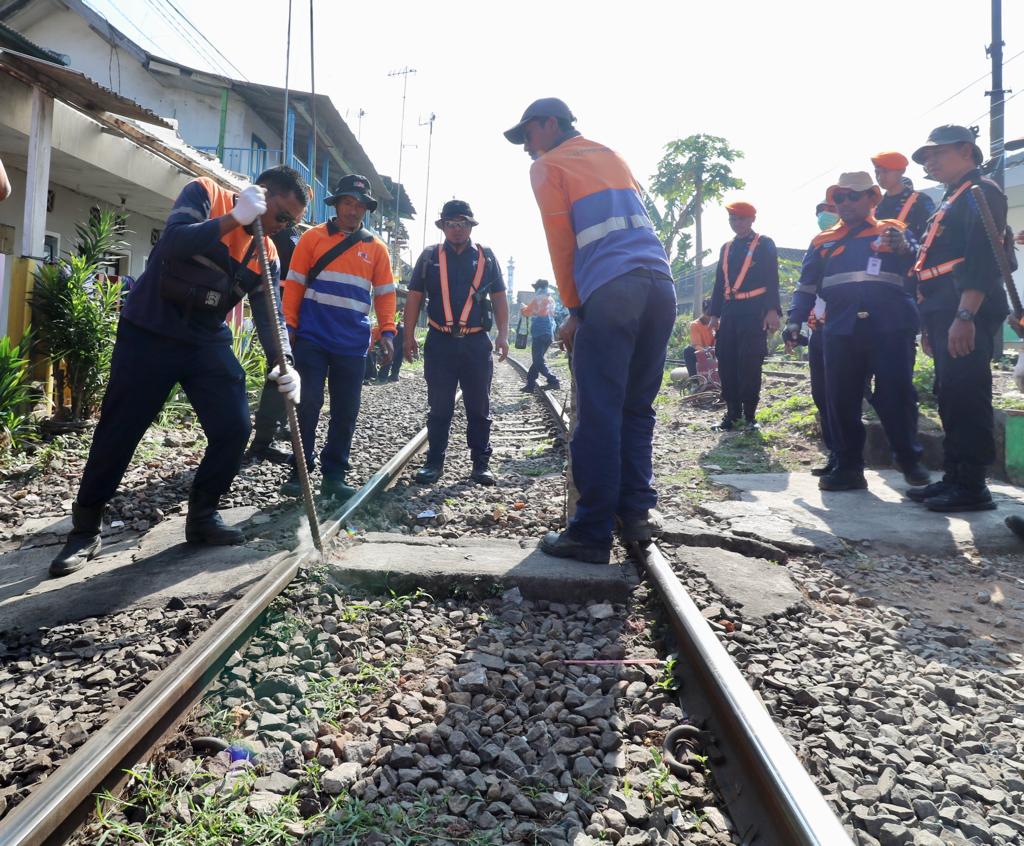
{"x": 890, "y": 161}
{"x": 741, "y": 209}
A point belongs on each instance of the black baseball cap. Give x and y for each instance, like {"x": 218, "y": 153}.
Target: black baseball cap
{"x": 949, "y": 134}
{"x": 545, "y": 107}
{"x": 356, "y": 186}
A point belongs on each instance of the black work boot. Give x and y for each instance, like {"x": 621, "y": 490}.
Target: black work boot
{"x": 204, "y": 525}
{"x": 481, "y": 475}
{"x": 336, "y": 489}
{"x": 970, "y": 493}
{"x": 83, "y": 544}
{"x": 528, "y": 388}
{"x": 827, "y": 468}
{"x": 429, "y": 473}
{"x": 914, "y": 473}
{"x": 564, "y": 545}
{"x": 268, "y": 452}
{"x": 727, "y": 424}
{"x": 843, "y": 480}
{"x": 552, "y": 384}
{"x": 947, "y": 481}
{"x": 640, "y": 528}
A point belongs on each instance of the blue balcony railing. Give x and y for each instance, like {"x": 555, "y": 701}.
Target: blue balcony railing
{"x": 252, "y": 161}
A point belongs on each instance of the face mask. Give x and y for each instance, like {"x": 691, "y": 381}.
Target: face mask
{"x": 827, "y": 219}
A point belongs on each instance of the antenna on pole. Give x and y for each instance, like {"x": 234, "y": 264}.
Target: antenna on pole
{"x": 426, "y": 193}
{"x": 404, "y": 73}
{"x": 287, "y": 67}
{"x": 359, "y": 126}
{"x": 312, "y": 101}
{"x": 996, "y": 110}
{"x": 511, "y": 278}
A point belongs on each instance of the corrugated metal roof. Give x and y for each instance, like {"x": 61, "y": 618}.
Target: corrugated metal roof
{"x": 75, "y": 88}
{"x": 11, "y": 38}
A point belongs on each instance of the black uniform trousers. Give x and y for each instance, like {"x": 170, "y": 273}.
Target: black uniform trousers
{"x": 819, "y": 387}
{"x": 741, "y": 345}
{"x": 144, "y": 369}
{"x": 391, "y": 371}
{"x": 451, "y": 362}
{"x": 964, "y": 390}
{"x": 538, "y": 348}
{"x": 849, "y": 360}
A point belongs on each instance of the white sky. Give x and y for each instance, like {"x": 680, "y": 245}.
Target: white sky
{"x": 804, "y": 88}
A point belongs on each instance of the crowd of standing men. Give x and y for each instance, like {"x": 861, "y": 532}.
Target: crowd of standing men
{"x": 882, "y": 269}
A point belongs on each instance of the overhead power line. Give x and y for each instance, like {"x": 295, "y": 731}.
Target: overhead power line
{"x": 202, "y": 35}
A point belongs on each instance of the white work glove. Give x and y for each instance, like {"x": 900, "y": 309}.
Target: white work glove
{"x": 1018, "y": 372}
{"x": 288, "y": 384}
{"x": 252, "y": 202}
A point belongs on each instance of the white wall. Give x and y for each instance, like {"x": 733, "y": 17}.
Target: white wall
{"x": 70, "y": 208}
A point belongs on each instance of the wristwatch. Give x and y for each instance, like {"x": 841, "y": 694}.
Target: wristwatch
{"x": 966, "y": 315}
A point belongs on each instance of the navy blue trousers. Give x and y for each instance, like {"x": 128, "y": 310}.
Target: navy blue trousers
{"x": 450, "y": 362}
{"x": 539, "y": 347}
{"x": 618, "y": 362}
{"x": 144, "y": 369}
{"x": 741, "y": 344}
{"x": 344, "y": 377}
{"x": 819, "y": 387}
{"x": 391, "y": 371}
{"x": 849, "y": 361}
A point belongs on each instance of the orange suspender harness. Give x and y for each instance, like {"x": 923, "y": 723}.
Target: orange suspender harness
{"x": 733, "y": 291}
{"x": 907, "y": 206}
{"x": 926, "y": 273}
{"x": 446, "y": 297}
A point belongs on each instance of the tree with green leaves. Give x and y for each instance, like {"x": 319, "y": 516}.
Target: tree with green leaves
{"x": 694, "y": 171}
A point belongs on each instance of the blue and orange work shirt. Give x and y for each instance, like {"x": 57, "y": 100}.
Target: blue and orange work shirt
{"x": 462, "y": 267}
{"x": 333, "y": 310}
{"x": 192, "y": 229}
{"x": 750, "y": 292}
{"x": 596, "y": 225}
{"x": 958, "y": 256}
{"x": 541, "y": 311}
{"x": 910, "y": 207}
{"x": 856, "y": 281}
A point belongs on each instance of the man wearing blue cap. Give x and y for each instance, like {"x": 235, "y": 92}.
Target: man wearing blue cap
{"x": 614, "y": 277}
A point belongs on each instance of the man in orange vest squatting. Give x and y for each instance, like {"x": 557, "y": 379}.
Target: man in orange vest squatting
{"x": 744, "y": 310}
{"x": 461, "y": 281}
{"x": 702, "y": 336}
{"x": 900, "y": 201}
{"x": 541, "y": 312}
{"x": 338, "y": 270}
{"x": 614, "y": 277}
{"x": 172, "y": 331}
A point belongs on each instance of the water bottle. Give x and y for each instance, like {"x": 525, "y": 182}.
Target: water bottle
{"x": 240, "y": 765}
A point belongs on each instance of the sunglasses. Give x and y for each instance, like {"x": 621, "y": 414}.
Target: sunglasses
{"x": 457, "y": 224}
{"x": 847, "y": 196}
{"x": 286, "y": 219}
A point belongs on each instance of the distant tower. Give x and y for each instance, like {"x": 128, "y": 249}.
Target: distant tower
{"x": 511, "y": 274}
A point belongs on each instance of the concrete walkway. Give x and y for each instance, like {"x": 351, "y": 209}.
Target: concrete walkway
{"x": 788, "y": 510}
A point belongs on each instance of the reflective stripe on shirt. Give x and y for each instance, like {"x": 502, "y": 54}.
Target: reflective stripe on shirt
{"x": 336, "y": 301}
{"x": 862, "y": 276}
{"x": 612, "y": 224}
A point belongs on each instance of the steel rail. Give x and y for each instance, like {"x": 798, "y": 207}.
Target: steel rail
{"x": 769, "y": 793}
{"x": 51, "y": 812}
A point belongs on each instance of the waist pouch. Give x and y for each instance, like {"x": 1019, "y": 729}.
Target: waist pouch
{"x": 197, "y": 283}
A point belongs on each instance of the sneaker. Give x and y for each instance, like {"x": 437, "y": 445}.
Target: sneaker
{"x": 565, "y": 546}
{"x": 843, "y": 480}
{"x": 928, "y": 491}
{"x": 959, "y": 498}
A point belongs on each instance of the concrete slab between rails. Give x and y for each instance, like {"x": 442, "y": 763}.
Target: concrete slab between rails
{"x": 789, "y": 511}
{"x": 758, "y": 589}
{"x": 478, "y": 567}
{"x": 133, "y": 571}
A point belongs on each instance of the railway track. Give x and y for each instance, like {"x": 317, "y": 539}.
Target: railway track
{"x": 771, "y": 798}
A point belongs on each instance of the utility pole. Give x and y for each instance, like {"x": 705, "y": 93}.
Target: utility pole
{"x": 359, "y": 126}
{"x": 996, "y": 110}
{"x": 511, "y": 275}
{"x": 287, "y": 67}
{"x": 404, "y": 73}
{"x": 312, "y": 104}
{"x": 426, "y": 192}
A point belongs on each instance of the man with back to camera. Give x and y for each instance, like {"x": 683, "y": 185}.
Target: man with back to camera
{"x": 172, "y": 331}
{"x": 613, "y": 276}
